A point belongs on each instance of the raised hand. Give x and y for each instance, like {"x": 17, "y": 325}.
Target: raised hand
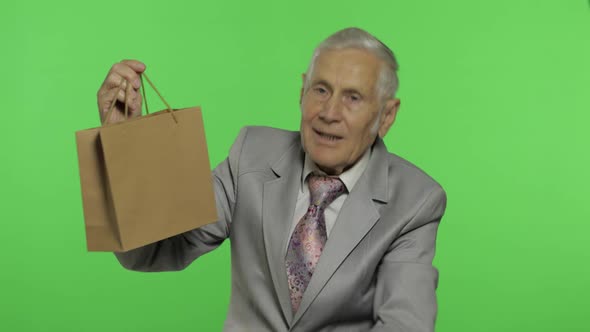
{"x": 122, "y": 83}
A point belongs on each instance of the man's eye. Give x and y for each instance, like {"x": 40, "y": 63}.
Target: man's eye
{"x": 354, "y": 98}
{"x": 320, "y": 90}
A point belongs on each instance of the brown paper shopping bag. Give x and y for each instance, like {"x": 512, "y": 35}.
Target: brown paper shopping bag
{"x": 145, "y": 179}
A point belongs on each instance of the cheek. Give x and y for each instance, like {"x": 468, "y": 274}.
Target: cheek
{"x": 308, "y": 114}
{"x": 360, "y": 130}
{"x": 309, "y": 110}
{"x": 306, "y": 120}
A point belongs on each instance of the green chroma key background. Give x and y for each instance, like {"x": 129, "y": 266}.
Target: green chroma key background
{"x": 495, "y": 106}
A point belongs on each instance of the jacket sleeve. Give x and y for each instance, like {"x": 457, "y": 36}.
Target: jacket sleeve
{"x": 177, "y": 252}
{"x": 405, "y": 295}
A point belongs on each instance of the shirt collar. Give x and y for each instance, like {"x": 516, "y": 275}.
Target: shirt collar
{"x": 349, "y": 177}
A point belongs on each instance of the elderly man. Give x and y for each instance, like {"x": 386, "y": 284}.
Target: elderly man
{"x": 329, "y": 231}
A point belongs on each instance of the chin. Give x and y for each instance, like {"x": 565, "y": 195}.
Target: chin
{"x": 324, "y": 162}
{"x": 324, "y": 156}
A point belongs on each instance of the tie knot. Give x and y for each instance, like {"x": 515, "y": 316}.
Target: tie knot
{"x": 324, "y": 189}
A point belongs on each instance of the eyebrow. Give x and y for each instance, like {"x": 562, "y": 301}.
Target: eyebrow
{"x": 322, "y": 82}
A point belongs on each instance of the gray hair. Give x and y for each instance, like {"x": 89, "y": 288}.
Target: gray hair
{"x": 388, "y": 82}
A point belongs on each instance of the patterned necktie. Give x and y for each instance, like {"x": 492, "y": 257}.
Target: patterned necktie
{"x": 309, "y": 236}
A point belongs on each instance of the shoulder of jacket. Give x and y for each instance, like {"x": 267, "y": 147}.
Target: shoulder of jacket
{"x": 408, "y": 173}
{"x": 262, "y": 146}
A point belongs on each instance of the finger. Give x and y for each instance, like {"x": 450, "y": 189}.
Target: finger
{"x": 114, "y": 80}
{"x": 107, "y": 102}
{"x": 122, "y": 96}
{"x": 135, "y": 107}
{"x": 105, "y": 99}
{"x": 114, "y": 117}
{"x": 115, "y": 93}
{"x": 124, "y": 71}
{"x": 128, "y": 99}
{"x": 136, "y": 65}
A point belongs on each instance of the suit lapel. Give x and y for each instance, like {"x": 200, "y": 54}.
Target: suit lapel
{"x": 279, "y": 198}
{"x": 356, "y": 217}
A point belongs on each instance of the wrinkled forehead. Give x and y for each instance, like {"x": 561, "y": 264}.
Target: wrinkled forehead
{"x": 347, "y": 68}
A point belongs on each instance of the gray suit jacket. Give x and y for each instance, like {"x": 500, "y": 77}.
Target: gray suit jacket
{"x": 375, "y": 273}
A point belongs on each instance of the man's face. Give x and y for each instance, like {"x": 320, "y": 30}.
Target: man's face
{"x": 340, "y": 107}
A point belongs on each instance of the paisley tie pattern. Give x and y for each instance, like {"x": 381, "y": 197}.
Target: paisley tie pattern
{"x": 309, "y": 236}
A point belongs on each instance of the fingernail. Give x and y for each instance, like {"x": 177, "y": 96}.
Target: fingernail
{"x": 136, "y": 83}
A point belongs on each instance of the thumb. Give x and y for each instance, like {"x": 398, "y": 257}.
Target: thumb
{"x": 135, "y": 106}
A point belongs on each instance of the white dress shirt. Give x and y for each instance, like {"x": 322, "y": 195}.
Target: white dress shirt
{"x": 349, "y": 178}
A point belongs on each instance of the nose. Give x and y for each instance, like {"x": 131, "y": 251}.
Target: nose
{"x": 331, "y": 110}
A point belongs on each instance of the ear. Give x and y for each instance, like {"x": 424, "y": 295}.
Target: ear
{"x": 388, "y": 116}
{"x": 302, "y": 88}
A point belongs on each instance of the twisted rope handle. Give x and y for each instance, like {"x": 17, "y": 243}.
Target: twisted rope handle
{"x": 128, "y": 92}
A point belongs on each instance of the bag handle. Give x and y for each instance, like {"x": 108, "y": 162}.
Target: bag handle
{"x": 127, "y": 93}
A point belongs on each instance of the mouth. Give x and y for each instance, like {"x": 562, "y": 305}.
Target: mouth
{"x": 327, "y": 136}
